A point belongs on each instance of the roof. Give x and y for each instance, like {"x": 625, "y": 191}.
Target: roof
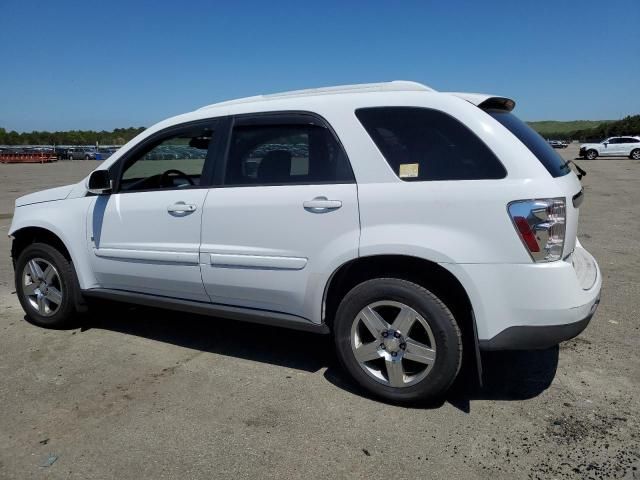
{"x": 394, "y": 86}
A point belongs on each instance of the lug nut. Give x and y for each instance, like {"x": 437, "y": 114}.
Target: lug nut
{"x": 403, "y": 346}
{"x": 396, "y": 334}
{"x": 385, "y": 334}
{"x": 394, "y": 354}
{"x": 382, "y": 346}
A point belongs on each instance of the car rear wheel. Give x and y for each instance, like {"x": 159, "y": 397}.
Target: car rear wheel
{"x": 398, "y": 340}
{"x": 592, "y": 154}
{"x": 635, "y": 154}
{"x": 46, "y": 286}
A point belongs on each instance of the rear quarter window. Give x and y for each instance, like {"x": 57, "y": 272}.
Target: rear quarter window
{"x": 422, "y": 144}
{"x": 544, "y": 152}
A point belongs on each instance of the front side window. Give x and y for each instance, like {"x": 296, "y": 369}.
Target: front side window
{"x": 174, "y": 161}
{"x": 277, "y": 154}
{"x": 422, "y": 144}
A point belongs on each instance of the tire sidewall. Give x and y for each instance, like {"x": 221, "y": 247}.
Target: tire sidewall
{"x": 65, "y": 312}
{"x": 590, "y": 155}
{"x": 445, "y": 331}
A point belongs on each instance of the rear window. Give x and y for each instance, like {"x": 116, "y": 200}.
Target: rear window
{"x": 422, "y": 144}
{"x": 547, "y": 156}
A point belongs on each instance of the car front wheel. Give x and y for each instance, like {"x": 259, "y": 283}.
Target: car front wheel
{"x": 635, "y": 154}
{"x": 592, "y": 154}
{"x": 46, "y": 287}
{"x": 398, "y": 340}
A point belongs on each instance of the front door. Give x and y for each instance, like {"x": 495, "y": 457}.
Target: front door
{"x": 613, "y": 147}
{"x": 145, "y": 237}
{"x": 285, "y": 216}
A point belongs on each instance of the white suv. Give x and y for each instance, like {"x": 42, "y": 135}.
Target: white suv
{"x": 415, "y": 226}
{"x": 612, "y": 147}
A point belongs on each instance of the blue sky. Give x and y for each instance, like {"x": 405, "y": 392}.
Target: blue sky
{"x": 107, "y": 64}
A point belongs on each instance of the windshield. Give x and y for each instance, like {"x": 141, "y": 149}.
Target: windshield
{"x": 547, "y": 156}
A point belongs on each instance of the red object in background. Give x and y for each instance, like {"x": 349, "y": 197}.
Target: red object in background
{"x": 40, "y": 157}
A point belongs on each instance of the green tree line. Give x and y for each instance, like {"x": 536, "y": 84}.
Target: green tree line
{"x": 629, "y": 125}
{"x": 117, "y": 136}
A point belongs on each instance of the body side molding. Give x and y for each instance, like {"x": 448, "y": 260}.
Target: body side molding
{"x": 257, "y": 261}
{"x": 190, "y": 258}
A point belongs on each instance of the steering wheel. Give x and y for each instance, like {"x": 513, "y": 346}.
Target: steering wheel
{"x": 164, "y": 178}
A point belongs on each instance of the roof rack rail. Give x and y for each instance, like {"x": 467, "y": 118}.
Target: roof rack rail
{"x": 393, "y": 86}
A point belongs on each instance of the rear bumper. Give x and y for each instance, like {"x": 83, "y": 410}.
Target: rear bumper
{"x": 529, "y": 306}
{"x": 524, "y": 337}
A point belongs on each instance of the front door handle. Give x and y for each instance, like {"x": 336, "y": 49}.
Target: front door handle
{"x": 321, "y": 204}
{"x": 181, "y": 207}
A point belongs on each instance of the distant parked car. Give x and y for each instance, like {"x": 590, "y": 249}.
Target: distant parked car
{"x": 558, "y": 143}
{"x": 106, "y": 152}
{"x": 612, "y": 147}
{"x": 78, "y": 153}
{"x": 62, "y": 153}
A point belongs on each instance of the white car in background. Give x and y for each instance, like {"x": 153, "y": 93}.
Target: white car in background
{"x": 612, "y": 147}
{"x": 414, "y": 226}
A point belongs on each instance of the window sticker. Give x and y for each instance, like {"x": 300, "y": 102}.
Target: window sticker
{"x": 409, "y": 170}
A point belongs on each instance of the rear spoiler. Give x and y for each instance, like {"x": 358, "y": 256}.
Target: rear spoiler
{"x": 484, "y": 101}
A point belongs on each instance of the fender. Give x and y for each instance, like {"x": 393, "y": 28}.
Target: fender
{"x": 67, "y": 224}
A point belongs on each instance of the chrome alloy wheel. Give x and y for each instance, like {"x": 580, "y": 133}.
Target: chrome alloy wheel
{"x": 393, "y": 343}
{"x": 41, "y": 286}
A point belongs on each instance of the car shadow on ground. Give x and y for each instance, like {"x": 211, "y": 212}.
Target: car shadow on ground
{"x": 516, "y": 375}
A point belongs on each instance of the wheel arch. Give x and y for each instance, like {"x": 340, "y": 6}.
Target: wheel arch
{"x": 441, "y": 281}
{"x": 426, "y": 273}
{"x": 25, "y": 236}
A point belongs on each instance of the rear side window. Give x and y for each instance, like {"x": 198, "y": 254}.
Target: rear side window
{"x": 273, "y": 154}
{"x": 422, "y": 144}
{"x": 547, "y": 156}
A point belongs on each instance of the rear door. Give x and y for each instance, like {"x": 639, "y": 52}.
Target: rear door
{"x": 284, "y": 213}
{"x": 628, "y": 144}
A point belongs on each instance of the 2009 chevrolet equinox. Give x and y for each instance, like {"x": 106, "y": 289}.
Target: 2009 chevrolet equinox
{"x": 415, "y": 226}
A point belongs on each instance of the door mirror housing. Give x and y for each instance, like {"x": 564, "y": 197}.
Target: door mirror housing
{"x": 100, "y": 182}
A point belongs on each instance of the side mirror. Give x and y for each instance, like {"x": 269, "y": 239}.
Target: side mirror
{"x": 100, "y": 182}
{"x": 605, "y": 143}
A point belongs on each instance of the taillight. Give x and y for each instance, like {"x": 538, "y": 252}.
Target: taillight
{"x": 541, "y": 226}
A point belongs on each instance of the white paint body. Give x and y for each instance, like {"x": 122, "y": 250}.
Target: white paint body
{"x": 613, "y": 146}
{"x": 258, "y": 247}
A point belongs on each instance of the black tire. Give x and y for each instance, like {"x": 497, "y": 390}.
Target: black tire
{"x": 635, "y": 154}
{"x": 591, "y": 154}
{"x": 445, "y": 330}
{"x": 65, "y": 315}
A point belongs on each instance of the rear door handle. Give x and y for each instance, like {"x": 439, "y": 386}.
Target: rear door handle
{"x": 321, "y": 204}
{"x": 181, "y": 207}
